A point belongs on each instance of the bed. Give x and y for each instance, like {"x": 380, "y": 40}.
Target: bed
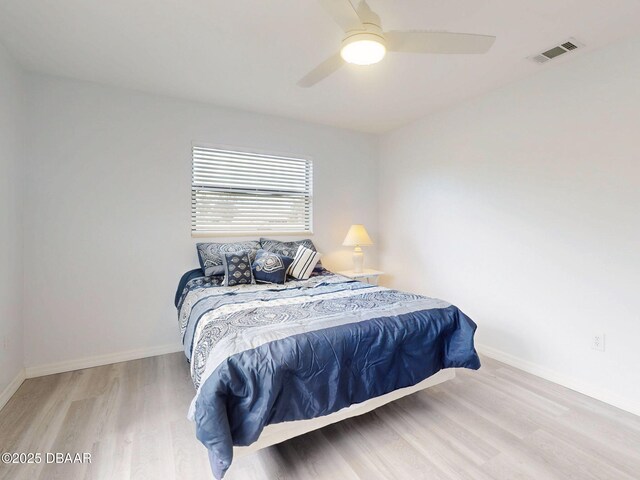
{"x": 273, "y": 361}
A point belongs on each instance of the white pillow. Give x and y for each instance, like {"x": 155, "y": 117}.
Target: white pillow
{"x": 303, "y": 263}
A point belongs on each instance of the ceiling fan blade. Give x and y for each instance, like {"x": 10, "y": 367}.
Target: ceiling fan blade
{"x": 438, "y": 42}
{"x": 322, "y": 71}
{"x": 343, "y": 14}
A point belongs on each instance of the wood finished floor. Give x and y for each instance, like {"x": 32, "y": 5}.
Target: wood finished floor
{"x": 497, "y": 423}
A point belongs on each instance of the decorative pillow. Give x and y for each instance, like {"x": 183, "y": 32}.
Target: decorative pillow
{"x": 210, "y": 254}
{"x": 288, "y": 249}
{"x": 271, "y": 267}
{"x": 303, "y": 263}
{"x": 237, "y": 269}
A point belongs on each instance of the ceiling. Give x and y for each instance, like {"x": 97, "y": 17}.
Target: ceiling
{"x": 249, "y": 54}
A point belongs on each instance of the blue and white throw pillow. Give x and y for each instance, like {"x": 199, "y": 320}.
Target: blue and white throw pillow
{"x": 237, "y": 269}
{"x": 303, "y": 263}
{"x": 210, "y": 254}
{"x": 270, "y": 267}
{"x": 288, "y": 249}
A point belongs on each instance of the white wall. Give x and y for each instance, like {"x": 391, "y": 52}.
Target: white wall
{"x": 107, "y": 230}
{"x": 523, "y": 208}
{"x": 11, "y": 327}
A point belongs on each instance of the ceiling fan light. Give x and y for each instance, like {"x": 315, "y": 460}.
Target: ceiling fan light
{"x": 363, "y": 49}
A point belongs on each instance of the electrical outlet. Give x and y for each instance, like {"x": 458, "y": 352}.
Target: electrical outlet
{"x": 597, "y": 342}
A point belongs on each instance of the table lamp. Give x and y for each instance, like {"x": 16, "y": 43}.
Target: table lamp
{"x": 357, "y": 237}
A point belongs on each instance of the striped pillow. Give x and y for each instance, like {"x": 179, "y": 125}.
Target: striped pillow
{"x": 304, "y": 263}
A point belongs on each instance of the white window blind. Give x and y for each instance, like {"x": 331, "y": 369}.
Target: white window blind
{"x": 235, "y": 192}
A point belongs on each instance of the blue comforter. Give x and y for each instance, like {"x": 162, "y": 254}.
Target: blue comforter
{"x": 265, "y": 354}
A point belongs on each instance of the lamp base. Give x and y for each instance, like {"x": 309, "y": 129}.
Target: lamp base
{"x": 358, "y": 259}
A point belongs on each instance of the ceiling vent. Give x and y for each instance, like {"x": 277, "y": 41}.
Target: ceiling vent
{"x": 557, "y": 50}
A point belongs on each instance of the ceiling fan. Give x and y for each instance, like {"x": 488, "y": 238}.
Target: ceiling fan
{"x": 365, "y": 43}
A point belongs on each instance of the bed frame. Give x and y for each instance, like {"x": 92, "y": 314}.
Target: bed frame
{"x": 279, "y": 432}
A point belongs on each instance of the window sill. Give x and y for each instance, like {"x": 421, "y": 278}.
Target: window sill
{"x": 249, "y": 234}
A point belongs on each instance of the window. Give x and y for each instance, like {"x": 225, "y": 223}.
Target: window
{"x": 239, "y": 192}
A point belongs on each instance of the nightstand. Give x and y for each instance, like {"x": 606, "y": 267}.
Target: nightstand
{"x": 367, "y": 275}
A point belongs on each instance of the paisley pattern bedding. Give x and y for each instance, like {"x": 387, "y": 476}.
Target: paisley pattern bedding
{"x": 266, "y": 353}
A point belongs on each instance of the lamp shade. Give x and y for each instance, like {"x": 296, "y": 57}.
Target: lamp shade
{"x": 357, "y": 236}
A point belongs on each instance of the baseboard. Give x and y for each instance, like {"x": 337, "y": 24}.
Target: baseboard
{"x": 561, "y": 379}
{"x": 98, "y": 360}
{"x": 12, "y": 388}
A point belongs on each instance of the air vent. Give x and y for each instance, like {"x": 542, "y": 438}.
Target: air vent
{"x": 539, "y": 59}
{"x": 556, "y": 51}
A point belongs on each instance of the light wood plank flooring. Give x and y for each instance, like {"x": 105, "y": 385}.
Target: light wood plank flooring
{"x": 497, "y": 423}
